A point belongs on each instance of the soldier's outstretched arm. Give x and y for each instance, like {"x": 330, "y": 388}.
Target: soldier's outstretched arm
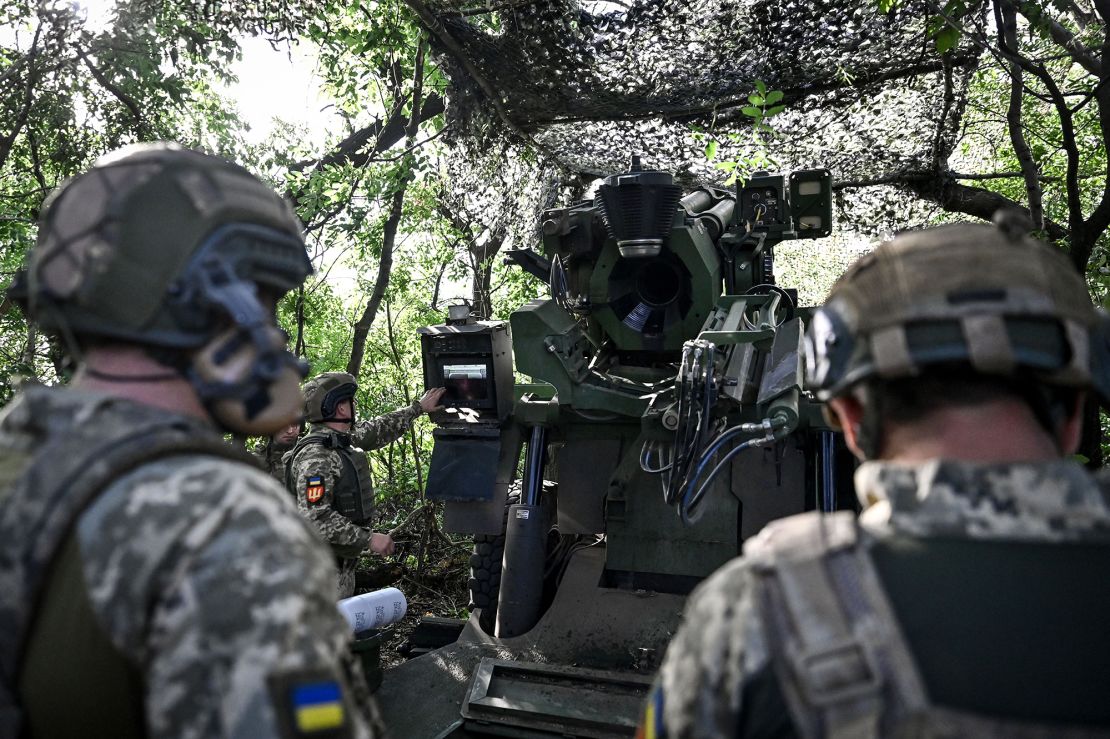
{"x": 375, "y": 433}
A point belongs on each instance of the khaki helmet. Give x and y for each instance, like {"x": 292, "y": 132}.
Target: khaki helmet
{"x": 988, "y": 297}
{"x": 324, "y": 393}
{"x": 165, "y": 247}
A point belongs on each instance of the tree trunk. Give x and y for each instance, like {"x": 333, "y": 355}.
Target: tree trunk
{"x": 389, "y": 232}
{"x": 385, "y": 265}
{"x": 480, "y": 297}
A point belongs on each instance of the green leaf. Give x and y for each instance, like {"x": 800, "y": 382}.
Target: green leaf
{"x": 774, "y": 96}
{"x": 711, "y": 150}
{"x": 774, "y": 111}
{"x": 755, "y": 99}
{"x": 946, "y": 39}
{"x": 752, "y": 112}
{"x": 761, "y": 86}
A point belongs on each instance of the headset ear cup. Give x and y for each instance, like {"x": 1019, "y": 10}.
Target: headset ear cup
{"x": 283, "y": 408}
{"x": 252, "y": 402}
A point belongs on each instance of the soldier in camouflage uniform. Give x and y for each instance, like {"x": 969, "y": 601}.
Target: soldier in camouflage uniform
{"x": 153, "y": 581}
{"x": 270, "y": 455}
{"x": 970, "y": 597}
{"x": 328, "y": 471}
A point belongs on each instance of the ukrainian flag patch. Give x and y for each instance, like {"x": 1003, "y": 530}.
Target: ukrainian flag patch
{"x": 317, "y": 706}
{"x": 651, "y": 723}
{"x": 314, "y": 489}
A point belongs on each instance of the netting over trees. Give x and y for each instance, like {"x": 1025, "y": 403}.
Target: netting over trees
{"x": 549, "y": 94}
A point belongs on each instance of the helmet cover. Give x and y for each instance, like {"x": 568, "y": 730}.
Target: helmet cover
{"x": 115, "y": 242}
{"x": 161, "y": 246}
{"x": 985, "y": 296}
{"x": 324, "y": 393}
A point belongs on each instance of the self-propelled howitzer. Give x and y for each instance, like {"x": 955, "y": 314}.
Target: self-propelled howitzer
{"x": 668, "y": 423}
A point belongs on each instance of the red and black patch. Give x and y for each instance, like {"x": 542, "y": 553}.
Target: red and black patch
{"x": 314, "y": 489}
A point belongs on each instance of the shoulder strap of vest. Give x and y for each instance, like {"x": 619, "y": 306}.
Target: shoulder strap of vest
{"x": 66, "y": 474}
{"x": 845, "y": 668}
{"x": 328, "y": 442}
{"x": 304, "y": 441}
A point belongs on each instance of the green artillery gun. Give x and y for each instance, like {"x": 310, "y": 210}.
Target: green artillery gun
{"x": 667, "y": 424}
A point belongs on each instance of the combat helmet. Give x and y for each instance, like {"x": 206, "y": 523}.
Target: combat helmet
{"x": 324, "y": 393}
{"x": 987, "y": 297}
{"x": 184, "y": 252}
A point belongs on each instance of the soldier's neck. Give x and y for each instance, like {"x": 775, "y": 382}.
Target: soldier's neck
{"x": 127, "y": 372}
{"x": 343, "y": 427}
{"x": 1001, "y": 432}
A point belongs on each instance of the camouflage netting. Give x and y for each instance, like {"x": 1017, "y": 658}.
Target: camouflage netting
{"x": 548, "y": 95}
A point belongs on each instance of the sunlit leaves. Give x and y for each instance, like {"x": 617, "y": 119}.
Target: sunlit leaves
{"x": 764, "y": 104}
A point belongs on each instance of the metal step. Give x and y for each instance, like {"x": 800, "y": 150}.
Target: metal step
{"x": 567, "y": 701}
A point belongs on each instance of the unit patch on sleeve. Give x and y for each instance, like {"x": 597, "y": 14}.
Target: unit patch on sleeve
{"x": 314, "y": 489}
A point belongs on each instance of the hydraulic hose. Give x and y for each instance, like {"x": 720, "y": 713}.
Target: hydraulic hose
{"x": 772, "y": 428}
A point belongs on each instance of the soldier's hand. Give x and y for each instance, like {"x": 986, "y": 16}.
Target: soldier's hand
{"x": 429, "y": 402}
{"x": 381, "y": 544}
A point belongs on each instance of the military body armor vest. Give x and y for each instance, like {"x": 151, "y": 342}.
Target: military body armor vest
{"x": 353, "y": 496}
{"x": 839, "y": 653}
{"x": 74, "y": 452}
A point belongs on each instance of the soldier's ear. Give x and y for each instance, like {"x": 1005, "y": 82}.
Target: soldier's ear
{"x": 848, "y": 412}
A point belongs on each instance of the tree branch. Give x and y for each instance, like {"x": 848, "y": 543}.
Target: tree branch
{"x": 389, "y": 230}
{"x": 1062, "y": 36}
{"x": 116, "y": 91}
{"x": 972, "y": 201}
{"x": 1009, "y": 176}
{"x": 1100, "y": 217}
{"x": 413, "y": 514}
{"x": 384, "y": 135}
{"x": 8, "y": 141}
{"x": 1006, "y": 20}
{"x": 950, "y": 195}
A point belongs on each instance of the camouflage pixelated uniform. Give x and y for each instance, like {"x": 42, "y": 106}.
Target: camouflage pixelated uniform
{"x": 348, "y": 539}
{"x": 197, "y": 570}
{"x": 713, "y": 679}
{"x": 270, "y": 459}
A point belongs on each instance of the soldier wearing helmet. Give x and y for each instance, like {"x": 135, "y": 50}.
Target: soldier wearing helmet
{"x": 328, "y": 471}
{"x": 155, "y": 582}
{"x": 270, "y": 455}
{"x": 969, "y": 598}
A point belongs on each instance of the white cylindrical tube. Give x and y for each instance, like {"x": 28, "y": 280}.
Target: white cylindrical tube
{"x": 374, "y": 610}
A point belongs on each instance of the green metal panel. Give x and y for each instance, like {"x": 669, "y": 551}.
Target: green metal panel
{"x": 549, "y": 345}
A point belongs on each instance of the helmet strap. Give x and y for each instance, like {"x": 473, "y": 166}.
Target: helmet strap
{"x": 331, "y": 418}
{"x": 252, "y": 329}
{"x": 111, "y": 377}
{"x": 350, "y": 422}
{"x": 869, "y": 433}
{"x": 65, "y": 333}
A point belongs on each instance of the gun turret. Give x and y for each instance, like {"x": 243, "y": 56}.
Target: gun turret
{"x": 667, "y": 424}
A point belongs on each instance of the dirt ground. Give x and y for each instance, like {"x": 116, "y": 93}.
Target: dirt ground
{"x": 437, "y": 588}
